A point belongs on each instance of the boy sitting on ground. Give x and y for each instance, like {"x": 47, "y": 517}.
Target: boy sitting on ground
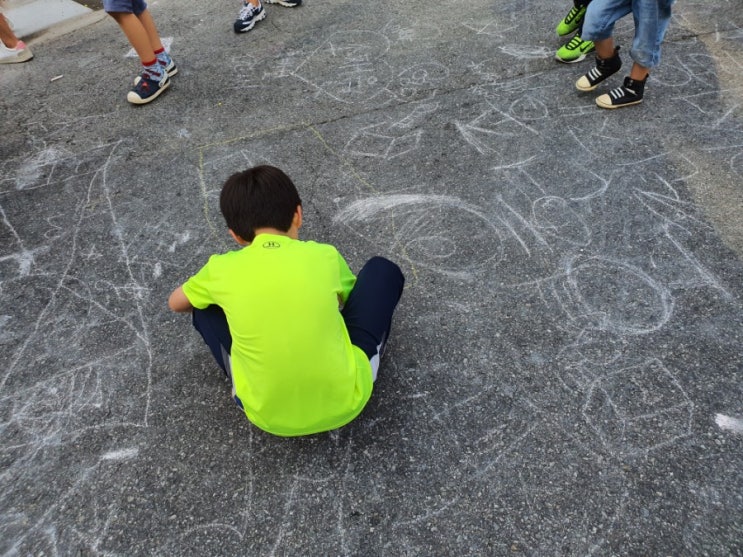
{"x": 269, "y": 312}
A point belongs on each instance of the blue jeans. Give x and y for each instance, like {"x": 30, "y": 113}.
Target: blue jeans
{"x": 651, "y": 22}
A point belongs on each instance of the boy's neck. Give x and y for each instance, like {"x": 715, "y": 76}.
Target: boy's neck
{"x": 276, "y": 231}
{"x": 292, "y": 233}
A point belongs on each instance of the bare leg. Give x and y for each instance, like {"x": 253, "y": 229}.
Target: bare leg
{"x": 6, "y": 33}
{"x": 604, "y": 48}
{"x": 137, "y": 35}
{"x": 148, "y": 23}
{"x": 638, "y": 72}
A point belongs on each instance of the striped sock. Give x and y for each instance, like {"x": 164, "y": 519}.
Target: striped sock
{"x": 163, "y": 57}
{"x": 154, "y": 70}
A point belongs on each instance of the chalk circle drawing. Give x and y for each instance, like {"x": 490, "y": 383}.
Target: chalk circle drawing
{"x": 638, "y": 409}
{"x": 349, "y": 66}
{"x": 605, "y": 294}
{"x": 438, "y": 232}
{"x": 673, "y": 75}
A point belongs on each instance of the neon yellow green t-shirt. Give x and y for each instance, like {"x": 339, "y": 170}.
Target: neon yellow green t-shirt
{"x": 293, "y": 365}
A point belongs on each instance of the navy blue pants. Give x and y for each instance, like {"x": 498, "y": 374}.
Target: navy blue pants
{"x": 367, "y": 313}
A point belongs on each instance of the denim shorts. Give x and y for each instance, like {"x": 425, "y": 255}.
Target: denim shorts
{"x": 135, "y": 7}
{"x": 651, "y": 22}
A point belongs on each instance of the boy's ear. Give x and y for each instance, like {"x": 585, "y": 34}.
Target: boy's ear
{"x": 297, "y": 220}
{"x": 238, "y": 238}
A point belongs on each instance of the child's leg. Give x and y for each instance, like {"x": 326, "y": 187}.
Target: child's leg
{"x": 599, "y": 21}
{"x": 651, "y": 23}
{"x": 211, "y": 323}
{"x": 369, "y": 308}
{"x": 137, "y": 35}
{"x": 137, "y": 24}
{"x": 149, "y": 26}
{"x": 598, "y": 26}
{"x": 7, "y": 36}
{"x": 157, "y": 46}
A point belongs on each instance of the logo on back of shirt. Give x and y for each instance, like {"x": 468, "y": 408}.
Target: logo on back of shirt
{"x": 271, "y": 244}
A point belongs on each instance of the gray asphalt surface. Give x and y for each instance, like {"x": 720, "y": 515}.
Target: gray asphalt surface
{"x": 564, "y": 376}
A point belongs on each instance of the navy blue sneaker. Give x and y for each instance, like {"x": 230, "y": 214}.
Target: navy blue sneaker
{"x": 148, "y": 89}
{"x": 249, "y": 15}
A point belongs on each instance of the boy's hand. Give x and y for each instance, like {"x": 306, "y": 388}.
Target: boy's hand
{"x": 178, "y": 301}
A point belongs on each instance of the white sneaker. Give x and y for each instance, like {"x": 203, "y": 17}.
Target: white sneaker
{"x": 21, "y": 53}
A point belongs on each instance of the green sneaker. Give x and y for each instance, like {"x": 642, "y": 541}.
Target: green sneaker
{"x": 571, "y": 22}
{"x": 575, "y": 51}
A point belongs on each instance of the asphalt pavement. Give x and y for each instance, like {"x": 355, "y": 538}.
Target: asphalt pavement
{"x": 564, "y": 375}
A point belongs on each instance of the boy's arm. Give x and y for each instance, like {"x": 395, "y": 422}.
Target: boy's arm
{"x": 178, "y": 301}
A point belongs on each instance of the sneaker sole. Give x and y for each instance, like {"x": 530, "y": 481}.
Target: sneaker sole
{"x": 23, "y": 56}
{"x": 579, "y": 59}
{"x": 567, "y": 33}
{"x": 285, "y": 4}
{"x": 256, "y": 19}
{"x": 604, "y": 101}
{"x": 137, "y": 100}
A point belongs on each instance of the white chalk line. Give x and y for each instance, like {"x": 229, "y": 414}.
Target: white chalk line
{"x": 728, "y": 423}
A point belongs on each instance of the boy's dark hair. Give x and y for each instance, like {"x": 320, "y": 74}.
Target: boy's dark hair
{"x": 260, "y": 197}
